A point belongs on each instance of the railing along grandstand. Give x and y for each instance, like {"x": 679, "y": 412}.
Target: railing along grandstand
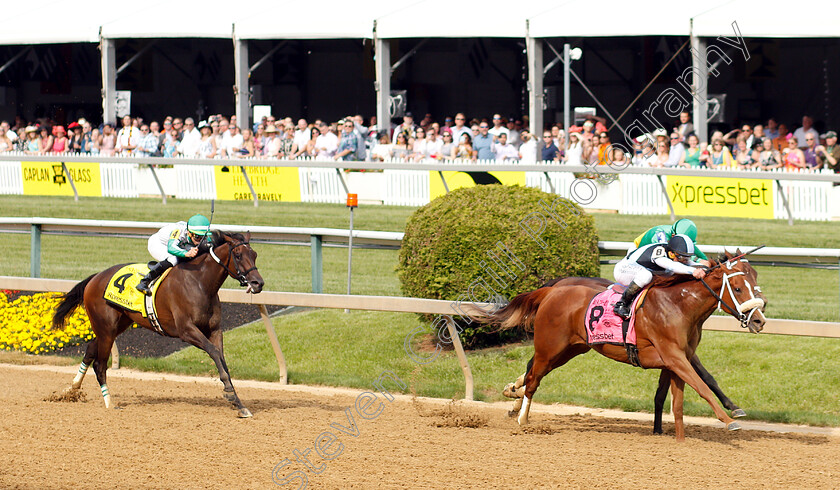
{"x": 803, "y": 194}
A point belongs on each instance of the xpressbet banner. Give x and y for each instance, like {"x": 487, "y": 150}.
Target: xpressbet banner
{"x": 714, "y": 196}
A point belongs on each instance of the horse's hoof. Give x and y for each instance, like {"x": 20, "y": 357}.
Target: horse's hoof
{"x": 733, "y": 426}
{"x": 244, "y": 413}
{"x": 738, "y": 413}
{"x": 509, "y": 391}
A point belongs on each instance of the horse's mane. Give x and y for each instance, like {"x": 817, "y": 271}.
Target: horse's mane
{"x": 665, "y": 281}
{"x": 218, "y": 236}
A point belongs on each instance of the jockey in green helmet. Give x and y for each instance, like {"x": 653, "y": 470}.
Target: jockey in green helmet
{"x": 663, "y": 233}
{"x": 173, "y": 243}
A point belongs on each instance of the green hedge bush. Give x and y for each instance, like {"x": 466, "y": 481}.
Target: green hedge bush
{"x": 447, "y": 248}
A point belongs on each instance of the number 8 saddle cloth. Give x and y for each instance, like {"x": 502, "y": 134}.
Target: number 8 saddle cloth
{"x": 603, "y": 326}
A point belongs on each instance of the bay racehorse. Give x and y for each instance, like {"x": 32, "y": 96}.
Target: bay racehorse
{"x": 187, "y": 304}
{"x": 668, "y": 326}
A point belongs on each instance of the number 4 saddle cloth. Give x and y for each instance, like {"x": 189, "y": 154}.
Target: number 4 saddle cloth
{"x": 122, "y": 290}
{"x": 603, "y": 326}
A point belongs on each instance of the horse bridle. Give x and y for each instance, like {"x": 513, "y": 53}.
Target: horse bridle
{"x": 236, "y": 274}
{"x": 752, "y": 305}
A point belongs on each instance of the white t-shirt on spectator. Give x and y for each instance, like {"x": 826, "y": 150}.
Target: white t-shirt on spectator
{"x": 189, "y": 143}
{"x": 302, "y": 137}
{"x": 497, "y": 131}
{"x": 505, "y": 152}
{"x": 529, "y": 151}
{"x": 326, "y": 145}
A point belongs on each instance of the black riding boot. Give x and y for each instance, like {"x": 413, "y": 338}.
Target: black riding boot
{"x": 622, "y": 307}
{"x": 154, "y": 272}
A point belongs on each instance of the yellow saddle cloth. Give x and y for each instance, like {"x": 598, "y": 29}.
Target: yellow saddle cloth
{"x": 122, "y": 290}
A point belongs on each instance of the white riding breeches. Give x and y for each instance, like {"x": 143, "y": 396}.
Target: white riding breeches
{"x": 627, "y": 271}
{"x": 160, "y": 251}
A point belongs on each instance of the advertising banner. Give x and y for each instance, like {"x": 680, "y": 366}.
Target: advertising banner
{"x": 714, "y": 196}
{"x": 270, "y": 183}
{"x": 456, "y": 180}
{"x": 49, "y": 179}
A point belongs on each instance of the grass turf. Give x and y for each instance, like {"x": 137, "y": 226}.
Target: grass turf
{"x": 775, "y": 378}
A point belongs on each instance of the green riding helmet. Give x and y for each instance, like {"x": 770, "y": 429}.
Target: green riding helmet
{"x": 198, "y": 225}
{"x": 685, "y": 227}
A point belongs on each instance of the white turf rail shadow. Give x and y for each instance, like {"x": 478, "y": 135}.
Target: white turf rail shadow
{"x": 536, "y": 408}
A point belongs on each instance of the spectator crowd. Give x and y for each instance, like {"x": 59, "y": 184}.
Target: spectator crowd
{"x": 762, "y": 146}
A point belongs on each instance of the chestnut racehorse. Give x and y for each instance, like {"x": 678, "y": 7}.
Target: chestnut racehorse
{"x": 187, "y": 304}
{"x": 514, "y": 390}
{"x": 668, "y": 326}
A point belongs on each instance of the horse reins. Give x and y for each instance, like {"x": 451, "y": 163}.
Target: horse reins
{"x": 236, "y": 274}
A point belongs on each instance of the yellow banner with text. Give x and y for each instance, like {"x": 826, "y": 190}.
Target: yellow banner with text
{"x": 49, "y": 179}
{"x": 714, "y": 196}
{"x": 270, "y": 183}
{"x": 456, "y": 180}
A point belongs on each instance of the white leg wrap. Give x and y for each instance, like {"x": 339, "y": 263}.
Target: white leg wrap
{"x": 523, "y": 412}
{"x": 106, "y": 396}
{"x": 77, "y": 381}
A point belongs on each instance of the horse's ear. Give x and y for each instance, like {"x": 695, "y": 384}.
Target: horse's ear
{"x": 247, "y": 236}
{"x": 738, "y": 251}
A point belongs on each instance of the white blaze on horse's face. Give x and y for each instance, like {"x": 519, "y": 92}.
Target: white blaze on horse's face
{"x": 755, "y": 319}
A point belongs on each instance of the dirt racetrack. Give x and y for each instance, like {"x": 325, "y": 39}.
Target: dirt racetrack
{"x": 170, "y": 434}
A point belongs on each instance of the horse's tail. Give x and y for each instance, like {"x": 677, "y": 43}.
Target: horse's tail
{"x": 69, "y": 302}
{"x": 520, "y": 312}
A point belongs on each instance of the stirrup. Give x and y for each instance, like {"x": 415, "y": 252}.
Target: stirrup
{"x": 622, "y": 309}
{"x": 143, "y": 287}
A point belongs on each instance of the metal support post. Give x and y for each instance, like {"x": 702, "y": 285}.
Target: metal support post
{"x": 349, "y": 256}
{"x": 251, "y": 187}
{"x": 317, "y": 264}
{"x": 462, "y": 358}
{"x": 157, "y": 181}
{"x": 785, "y": 202}
{"x": 275, "y": 344}
{"x": 241, "y": 86}
{"x": 534, "y": 49}
{"x": 445, "y": 186}
{"x": 35, "y": 251}
{"x": 550, "y": 183}
{"x": 115, "y": 356}
{"x": 70, "y": 179}
{"x": 667, "y": 199}
{"x": 109, "y": 80}
{"x": 566, "y": 86}
{"x": 699, "y": 87}
{"x": 382, "y": 65}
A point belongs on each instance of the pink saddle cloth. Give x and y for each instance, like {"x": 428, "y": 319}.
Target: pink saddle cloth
{"x": 603, "y": 326}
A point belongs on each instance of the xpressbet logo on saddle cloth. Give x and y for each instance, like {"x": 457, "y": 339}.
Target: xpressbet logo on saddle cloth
{"x": 603, "y": 326}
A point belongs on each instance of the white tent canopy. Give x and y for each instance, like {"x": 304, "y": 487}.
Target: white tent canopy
{"x": 55, "y": 21}
{"x": 445, "y": 18}
{"x": 322, "y": 20}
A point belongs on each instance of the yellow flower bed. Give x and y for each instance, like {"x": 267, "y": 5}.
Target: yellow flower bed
{"x": 26, "y": 324}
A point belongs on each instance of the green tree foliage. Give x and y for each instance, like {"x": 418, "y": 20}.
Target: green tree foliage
{"x": 477, "y": 243}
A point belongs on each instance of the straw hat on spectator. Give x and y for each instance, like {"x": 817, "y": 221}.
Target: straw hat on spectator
{"x": 660, "y": 132}
{"x": 271, "y": 129}
{"x": 31, "y": 129}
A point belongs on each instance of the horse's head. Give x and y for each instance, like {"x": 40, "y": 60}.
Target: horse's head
{"x": 235, "y": 254}
{"x": 740, "y": 292}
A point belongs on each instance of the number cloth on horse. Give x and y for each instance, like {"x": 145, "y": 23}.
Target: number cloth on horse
{"x": 121, "y": 288}
{"x": 603, "y": 326}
